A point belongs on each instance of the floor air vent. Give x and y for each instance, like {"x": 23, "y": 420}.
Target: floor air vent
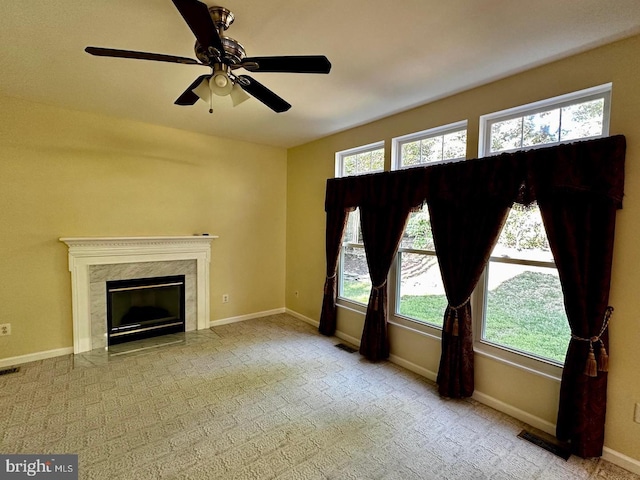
{"x": 7, "y": 371}
{"x": 549, "y": 445}
{"x": 346, "y": 348}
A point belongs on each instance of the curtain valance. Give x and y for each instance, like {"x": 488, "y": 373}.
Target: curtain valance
{"x": 592, "y": 166}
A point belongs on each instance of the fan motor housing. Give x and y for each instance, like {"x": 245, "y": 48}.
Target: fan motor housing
{"x": 233, "y": 53}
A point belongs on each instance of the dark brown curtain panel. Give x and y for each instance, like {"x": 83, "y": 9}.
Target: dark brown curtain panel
{"x": 336, "y": 223}
{"x": 468, "y": 204}
{"x": 579, "y": 188}
{"x": 382, "y": 229}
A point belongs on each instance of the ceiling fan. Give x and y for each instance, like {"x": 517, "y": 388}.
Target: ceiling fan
{"x": 223, "y": 55}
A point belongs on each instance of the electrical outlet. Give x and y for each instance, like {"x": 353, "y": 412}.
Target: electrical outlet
{"x": 5, "y": 329}
{"x": 225, "y": 298}
{"x": 636, "y": 416}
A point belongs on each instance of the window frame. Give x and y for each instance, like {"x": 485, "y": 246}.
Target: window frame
{"x": 339, "y": 173}
{"x": 395, "y": 272}
{"x": 340, "y": 156}
{"x": 398, "y": 142}
{"x": 519, "y": 359}
{"x": 561, "y": 101}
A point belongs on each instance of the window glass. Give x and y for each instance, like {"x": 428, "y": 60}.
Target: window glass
{"x": 440, "y": 144}
{"x": 506, "y": 135}
{"x": 361, "y": 162}
{"x": 454, "y": 145}
{"x": 421, "y": 291}
{"x": 523, "y": 235}
{"x": 422, "y": 295}
{"x": 525, "y": 310}
{"x": 417, "y": 233}
{"x": 541, "y": 128}
{"x": 355, "y": 282}
{"x": 582, "y": 120}
{"x": 575, "y": 116}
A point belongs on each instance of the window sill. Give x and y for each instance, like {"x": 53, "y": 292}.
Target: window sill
{"x": 351, "y": 305}
{"x": 530, "y": 365}
{"x": 415, "y": 327}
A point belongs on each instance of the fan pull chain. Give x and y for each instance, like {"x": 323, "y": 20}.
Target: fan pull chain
{"x": 210, "y": 102}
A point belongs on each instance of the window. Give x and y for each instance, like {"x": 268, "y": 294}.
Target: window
{"x": 354, "y": 283}
{"x": 578, "y": 115}
{"x": 421, "y": 295}
{"x": 441, "y": 144}
{"x": 420, "y": 292}
{"x": 360, "y": 160}
{"x": 524, "y": 308}
{"x": 520, "y": 293}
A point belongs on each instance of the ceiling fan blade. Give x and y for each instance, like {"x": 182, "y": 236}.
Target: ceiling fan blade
{"x": 158, "y": 57}
{"x": 196, "y": 14}
{"x": 262, "y": 93}
{"x": 289, "y": 64}
{"x": 188, "y": 97}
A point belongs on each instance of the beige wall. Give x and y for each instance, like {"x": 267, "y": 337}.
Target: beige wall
{"x": 521, "y": 392}
{"x": 65, "y": 173}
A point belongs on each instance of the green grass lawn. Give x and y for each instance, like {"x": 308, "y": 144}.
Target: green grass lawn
{"x": 525, "y": 313}
{"x": 357, "y": 291}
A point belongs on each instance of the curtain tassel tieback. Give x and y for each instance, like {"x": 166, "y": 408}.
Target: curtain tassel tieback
{"x": 326, "y": 283}
{"x": 603, "y": 360}
{"x": 592, "y": 367}
{"x": 378, "y": 288}
{"x": 453, "y": 323}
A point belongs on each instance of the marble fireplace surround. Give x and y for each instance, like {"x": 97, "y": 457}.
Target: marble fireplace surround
{"x": 94, "y": 260}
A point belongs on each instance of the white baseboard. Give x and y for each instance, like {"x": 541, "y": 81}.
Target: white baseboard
{"x": 516, "y": 413}
{"x": 621, "y": 460}
{"x": 608, "y": 454}
{"x": 33, "y": 357}
{"x": 348, "y": 338}
{"x": 485, "y": 399}
{"x": 304, "y": 318}
{"x": 242, "y": 318}
{"x": 413, "y": 367}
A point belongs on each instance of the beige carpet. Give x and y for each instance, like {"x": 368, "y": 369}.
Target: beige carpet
{"x": 268, "y": 398}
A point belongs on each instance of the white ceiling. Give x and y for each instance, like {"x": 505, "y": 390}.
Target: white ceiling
{"x": 384, "y": 60}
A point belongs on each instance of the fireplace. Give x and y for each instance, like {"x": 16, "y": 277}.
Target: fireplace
{"x": 93, "y": 261}
{"x": 145, "y": 307}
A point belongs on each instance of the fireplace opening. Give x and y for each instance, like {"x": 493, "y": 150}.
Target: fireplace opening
{"x": 144, "y": 307}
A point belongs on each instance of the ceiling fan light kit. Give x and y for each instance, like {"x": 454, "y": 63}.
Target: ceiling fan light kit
{"x": 223, "y": 55}
{"x": 220, "y": 82}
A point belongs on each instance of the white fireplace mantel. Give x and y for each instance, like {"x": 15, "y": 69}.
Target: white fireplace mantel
{"x": 87, "y": 251}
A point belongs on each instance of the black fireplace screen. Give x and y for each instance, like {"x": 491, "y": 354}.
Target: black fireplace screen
{"x": 145, "y": 307}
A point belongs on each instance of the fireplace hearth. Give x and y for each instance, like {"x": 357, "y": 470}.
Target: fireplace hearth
{"x": 145, "y": 307}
